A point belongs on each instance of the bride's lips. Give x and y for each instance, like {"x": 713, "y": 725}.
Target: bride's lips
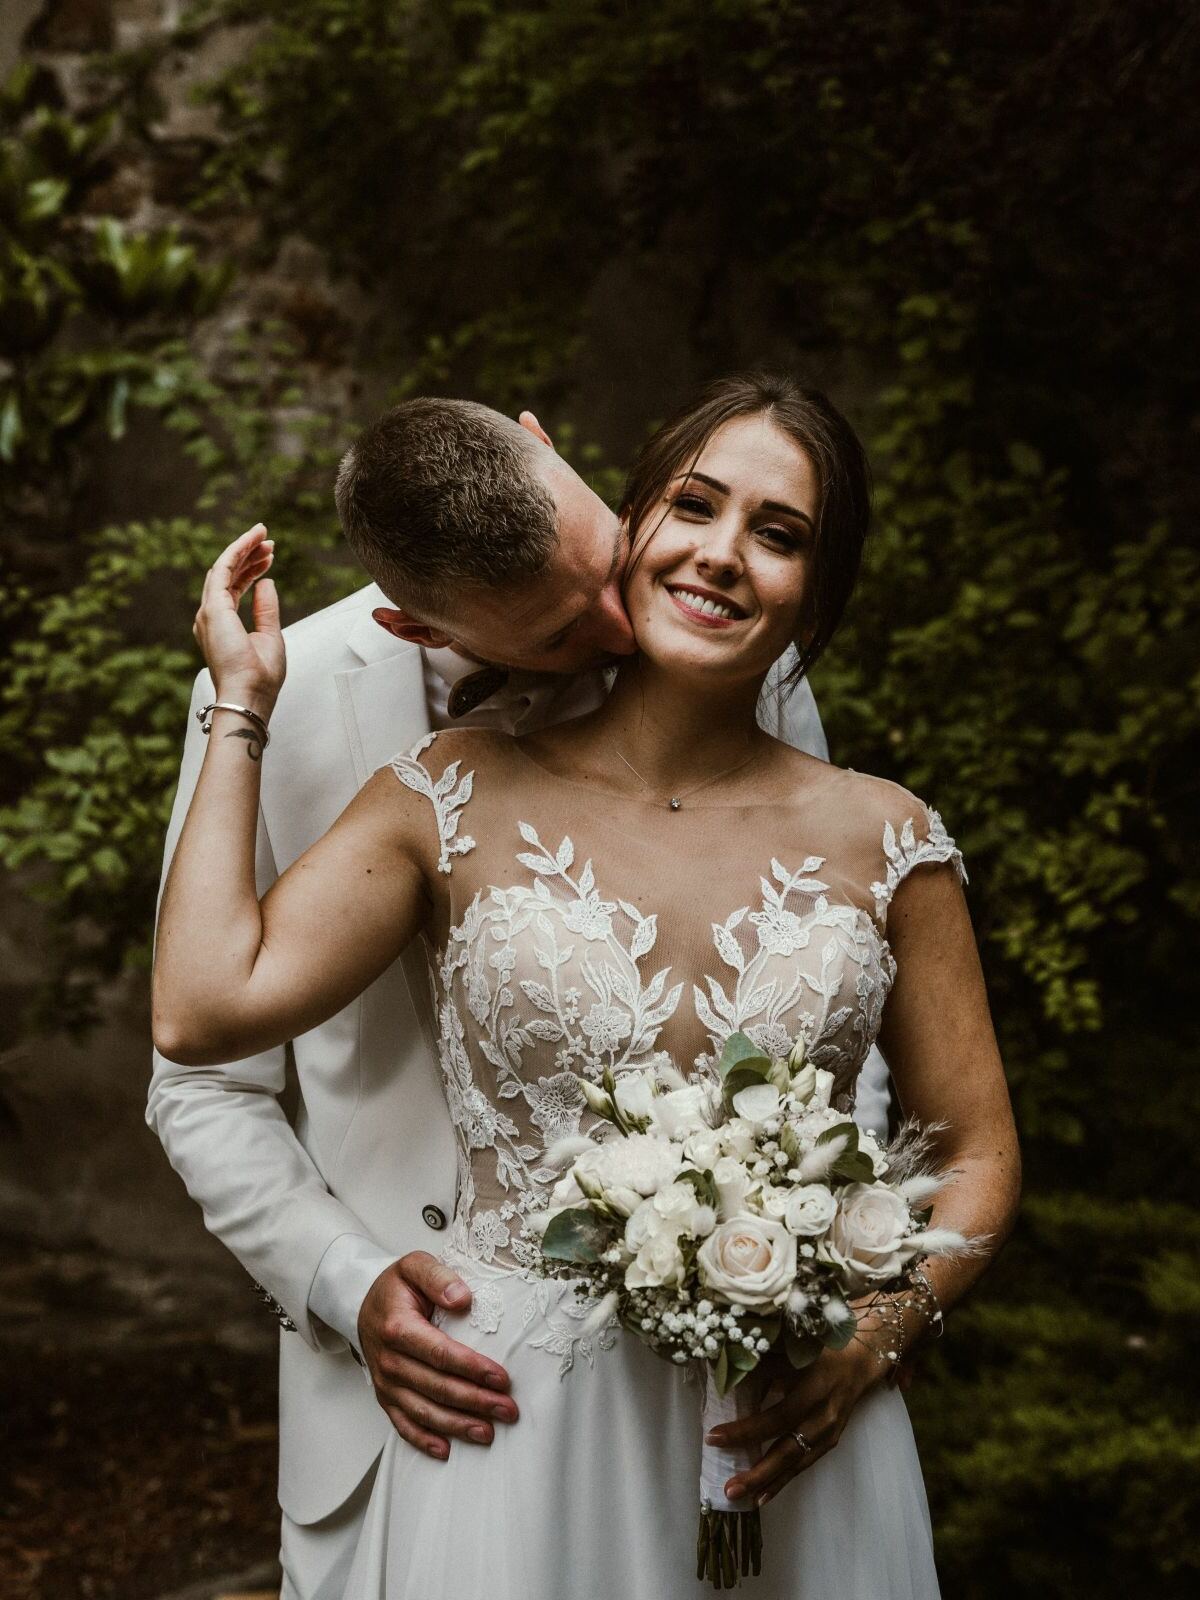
{"x": 677, "y": 593}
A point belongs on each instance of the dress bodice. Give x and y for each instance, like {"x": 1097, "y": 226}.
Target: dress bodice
{"x": 575, "y": 930}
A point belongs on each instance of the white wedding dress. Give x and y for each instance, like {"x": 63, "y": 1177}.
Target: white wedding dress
{"x": 570, "y": 930}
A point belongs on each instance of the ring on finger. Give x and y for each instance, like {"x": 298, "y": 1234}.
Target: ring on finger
{"x": 805, "y": 1446}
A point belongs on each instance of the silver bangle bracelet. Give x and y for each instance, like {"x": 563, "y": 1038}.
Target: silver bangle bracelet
{"x": 205, "y": 717}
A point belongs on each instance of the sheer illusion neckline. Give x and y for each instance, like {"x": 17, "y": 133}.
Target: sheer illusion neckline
{"x": 702, "y": 805}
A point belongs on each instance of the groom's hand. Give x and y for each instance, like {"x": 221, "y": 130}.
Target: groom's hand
{"x": 432, "y": 1388}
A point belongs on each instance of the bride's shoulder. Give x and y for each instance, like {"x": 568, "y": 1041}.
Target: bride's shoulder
{"x": 468, "y": 747}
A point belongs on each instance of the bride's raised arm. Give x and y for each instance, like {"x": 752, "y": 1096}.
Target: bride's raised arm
{"x": 233, "y": 975}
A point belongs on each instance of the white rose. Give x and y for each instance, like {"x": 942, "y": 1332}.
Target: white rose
{"x": 751, "y": 1261}
{"x": 867, "y": 1234}
{"x": 738, "y": 1137}
{"x": 681, "y": 1208}
{"x": 869, "y": 1146}
{"x": 809, "y": 1209}
{"x": 644, "y": 1225}
{"x": 824, "y": 1087}
{"x": 658, "y": 1262}
{"x": 733, "y": 1185}
{"x": 758, "y": 1103}
{"x": 814, "y": 1122}
{"x": 640, "y": 1163}
{"x": 703, "y": 1148}
{"x": 682, "y": 1111}
{"x": 635, "y": 1096}
{"x": 774, "y": 1201}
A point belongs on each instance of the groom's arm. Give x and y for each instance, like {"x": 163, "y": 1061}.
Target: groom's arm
{"x": 225, "y": 1133}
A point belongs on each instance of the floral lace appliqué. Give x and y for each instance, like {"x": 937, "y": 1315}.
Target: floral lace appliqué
{"x": 447, "y": 796}
{"x": 907, "y": 852}
{"x": 549, "y": 979}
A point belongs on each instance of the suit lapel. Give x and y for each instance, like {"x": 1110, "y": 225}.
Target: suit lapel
{"x": 382, "y": 702}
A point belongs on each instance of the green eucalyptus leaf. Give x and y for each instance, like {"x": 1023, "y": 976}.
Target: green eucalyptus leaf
{"x": 576, "y": 1235}
{"x": 741, "y": 1053}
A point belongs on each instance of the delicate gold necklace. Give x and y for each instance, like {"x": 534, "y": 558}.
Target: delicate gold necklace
{"x": 675, "y": 802}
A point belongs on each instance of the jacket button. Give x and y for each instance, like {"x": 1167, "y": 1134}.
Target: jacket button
{"x": 433, "y": 1217}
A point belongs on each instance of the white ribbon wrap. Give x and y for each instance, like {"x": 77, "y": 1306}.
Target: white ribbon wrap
{"x": 718, "y": 1465}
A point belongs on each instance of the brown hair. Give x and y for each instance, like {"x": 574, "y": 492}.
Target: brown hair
{"x": 436, "y": 495}
{"x": 809, "y": 418}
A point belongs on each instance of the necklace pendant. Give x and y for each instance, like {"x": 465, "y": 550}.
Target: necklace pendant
{"x": 675, "y": 804}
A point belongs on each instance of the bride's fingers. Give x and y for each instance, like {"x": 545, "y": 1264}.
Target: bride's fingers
{"x": 219, "y": 579}
{"x": 759, "y": 1426}
{"x": 785, "y": 1460}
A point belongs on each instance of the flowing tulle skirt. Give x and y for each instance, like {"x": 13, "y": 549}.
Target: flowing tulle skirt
{"x": 592, "y": 1495}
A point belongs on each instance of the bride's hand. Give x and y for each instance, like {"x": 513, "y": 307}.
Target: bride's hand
{"x": 245, "y": 666}
{"x": 816, "y": 1402}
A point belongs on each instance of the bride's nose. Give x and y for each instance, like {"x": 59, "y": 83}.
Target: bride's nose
{"x": 718, "y": 550}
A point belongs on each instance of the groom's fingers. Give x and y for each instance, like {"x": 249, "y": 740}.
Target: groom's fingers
{"x": 434, "y": 1280}
{"x": 448, "y": 1392}
{"x": 430, "y": 1443}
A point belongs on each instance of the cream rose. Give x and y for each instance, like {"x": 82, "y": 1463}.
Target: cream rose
{"x": 867, "y": 1234}
{"x": 750, "y": 1261}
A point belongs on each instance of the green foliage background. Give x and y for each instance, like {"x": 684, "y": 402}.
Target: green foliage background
{"x": 978, "y": 227}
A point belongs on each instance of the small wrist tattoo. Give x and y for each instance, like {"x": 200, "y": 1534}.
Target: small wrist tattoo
{"x": 253, "y": 741}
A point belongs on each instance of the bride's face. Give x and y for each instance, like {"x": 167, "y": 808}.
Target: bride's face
{"x": 721, "y": 574}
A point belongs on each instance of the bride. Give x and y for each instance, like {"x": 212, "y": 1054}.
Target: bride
{"x": 647, "y": 878}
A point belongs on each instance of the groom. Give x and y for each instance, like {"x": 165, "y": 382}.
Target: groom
{"x": 496, "y": 603}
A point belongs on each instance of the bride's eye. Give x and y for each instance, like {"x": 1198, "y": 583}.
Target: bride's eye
{"x": 786, "y": 538}
{"x": 692, "y": 505}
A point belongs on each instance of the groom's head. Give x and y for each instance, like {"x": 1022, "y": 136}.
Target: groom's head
{"x": 482, "y": 537}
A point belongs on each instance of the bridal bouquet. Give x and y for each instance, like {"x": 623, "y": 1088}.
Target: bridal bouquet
{"x": 722, "y": 1221}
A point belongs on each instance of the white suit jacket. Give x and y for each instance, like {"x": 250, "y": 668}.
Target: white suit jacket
{"x": 371, "y": 1153}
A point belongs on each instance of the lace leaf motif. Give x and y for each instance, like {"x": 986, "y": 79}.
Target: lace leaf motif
{"x": 907, "y": 852}
{"x": 447, "y": 796}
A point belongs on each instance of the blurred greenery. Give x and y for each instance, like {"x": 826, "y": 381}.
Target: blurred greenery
{"x": 977, "y": 227}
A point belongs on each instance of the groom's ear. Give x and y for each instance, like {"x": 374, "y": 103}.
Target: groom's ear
{"x": 530, "y": 422}
{"x": 402, "y": 626}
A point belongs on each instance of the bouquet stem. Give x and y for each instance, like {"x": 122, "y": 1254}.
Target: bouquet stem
{"x": 729, "y": 1543}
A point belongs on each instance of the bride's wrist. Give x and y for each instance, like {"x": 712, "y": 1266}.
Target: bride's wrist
{"x": 893, "y": 1325}
{"x": 252, "y": 694}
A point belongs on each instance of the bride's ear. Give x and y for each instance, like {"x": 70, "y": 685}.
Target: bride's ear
{"x": 401, "y": 626}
